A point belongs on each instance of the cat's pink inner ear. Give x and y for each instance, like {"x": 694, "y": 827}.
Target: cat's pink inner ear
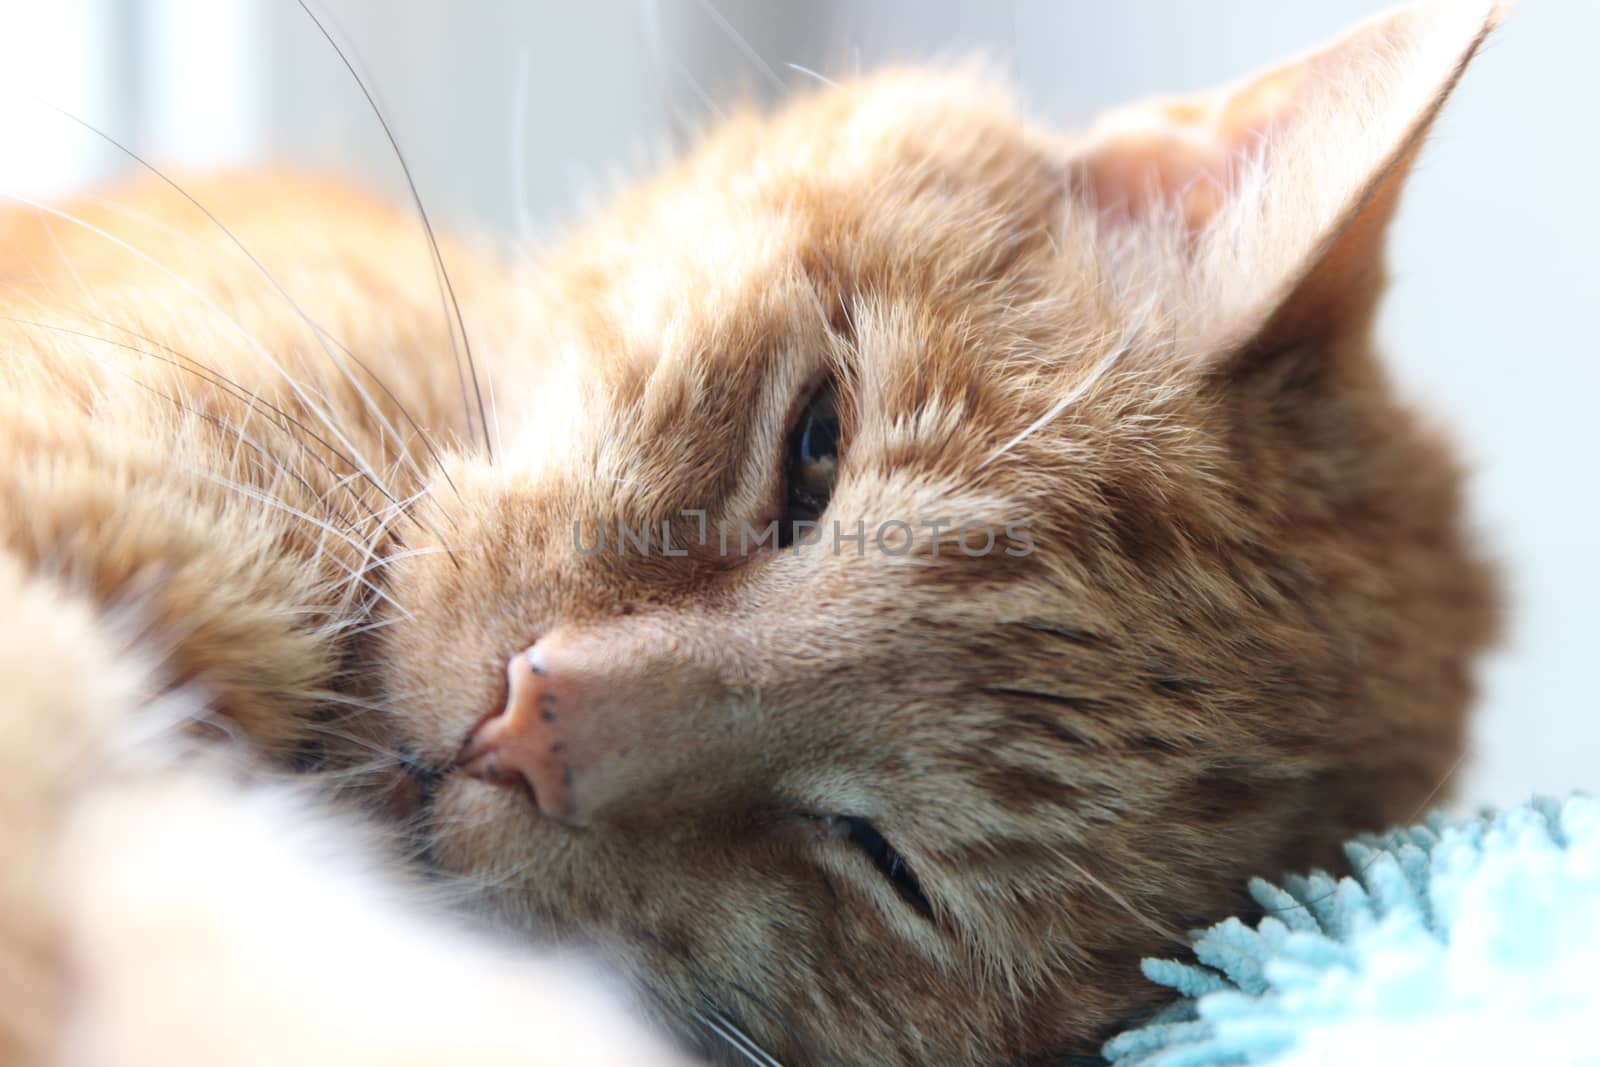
{"x": 1185, "y": 153}
{"x": 1281, "y": 186}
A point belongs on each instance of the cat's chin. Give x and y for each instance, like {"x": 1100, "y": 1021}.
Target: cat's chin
{"x": 480, "y": 831}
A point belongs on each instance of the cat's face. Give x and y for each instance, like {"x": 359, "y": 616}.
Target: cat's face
{"x": 1115, "y": 599}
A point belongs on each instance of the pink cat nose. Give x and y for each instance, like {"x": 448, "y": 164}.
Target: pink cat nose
{"x": 607, "y": 723}
{"x": 522, "y": 746}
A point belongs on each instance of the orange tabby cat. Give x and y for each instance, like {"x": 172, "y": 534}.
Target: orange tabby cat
{"x": 889, "y": 573}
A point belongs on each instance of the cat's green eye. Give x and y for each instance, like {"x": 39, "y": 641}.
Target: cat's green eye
{"x": 811, "y": 461}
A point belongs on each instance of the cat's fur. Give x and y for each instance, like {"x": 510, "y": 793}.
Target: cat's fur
{"x": 1243, "y": 633}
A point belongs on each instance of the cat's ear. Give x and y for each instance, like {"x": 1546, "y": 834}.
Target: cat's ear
{"x": 1272, "y": 195}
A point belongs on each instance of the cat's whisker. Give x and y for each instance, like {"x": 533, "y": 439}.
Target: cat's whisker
{"x": 402, "y": 451}
{"x": 447, "y": 288}
{"x": 1096, "y": 373}
{"x": 741, "y": 1042}
{"x": 345, "y": 483}
{"x": 369, "y": 627}
{"x": 783, "y": 1023}
{"x": 65, "y": 259}
{"x": 384, "y": 518}
{"x": 257, "y": 447}
{"x": 380, "y": 756}
{"x": 360, "y": 772}
{"x": 323, "y": 336}
{"x": 253, "y": 399}
{"x": 744, "y": 46}
{"x": 294, "y": 385}
{"x": 657, "y": 39}
{"x": 356, "y": 778}
{"x": 383, "y": 522}
{"x": 364, "y": 568}
{"x": 494, "y": 412}
{"x": 334, "y": 731}
{"x": 44, "y": 212}
{"x": 808, "y": 72}
{"x": 404, "y": 554}
{"x": 333, "y": 696}
{"x": 478, "y": 883}
{"x": 261, "y": 497}
{"x": 1165, "y": 931}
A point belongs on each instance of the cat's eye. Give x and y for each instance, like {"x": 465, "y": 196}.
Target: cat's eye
{"x": 811, "y": 462}
{"x": 865, "y": 837}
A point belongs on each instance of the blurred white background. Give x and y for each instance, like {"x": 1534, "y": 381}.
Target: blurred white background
{"x": 514, "y": 115}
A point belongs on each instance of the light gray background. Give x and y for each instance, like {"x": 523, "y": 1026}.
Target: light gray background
{"x": 514, "y": 115}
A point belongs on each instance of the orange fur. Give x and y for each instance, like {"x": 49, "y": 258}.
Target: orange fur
{"x": 1244, "y": 633}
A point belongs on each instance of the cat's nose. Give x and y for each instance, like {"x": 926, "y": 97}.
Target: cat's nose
{"x": 523, "y": 745}
{"x": 611, "y": 721}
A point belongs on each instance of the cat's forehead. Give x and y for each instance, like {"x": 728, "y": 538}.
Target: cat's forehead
{"x": 904, "y": 189}
{"x": 900, "y": 219}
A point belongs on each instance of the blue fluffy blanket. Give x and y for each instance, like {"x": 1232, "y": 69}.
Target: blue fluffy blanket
{"x": 1465, "y": 941}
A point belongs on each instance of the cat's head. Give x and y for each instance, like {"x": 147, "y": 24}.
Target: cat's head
{"x": 1129, "y": 577}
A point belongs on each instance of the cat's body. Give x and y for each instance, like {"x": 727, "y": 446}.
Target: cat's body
{"x": 872, "y": 806}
